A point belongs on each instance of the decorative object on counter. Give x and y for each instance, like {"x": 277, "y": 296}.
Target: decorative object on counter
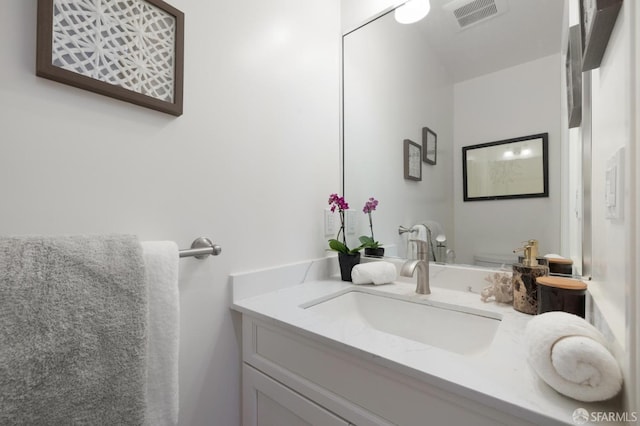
{"x": 132, "y": 51}
{"x": 572, "y": 357}
{"x": 347, "y": 261}
{"x": 597, "y": 18}
{"x": 541, "y": 260}
{"x": 412, "y": 160}
{"x": 560, "y": 265}
{"x": 561, "y": 294}
{"x": 347, "y": 257}
{"x": 501, "y": 288}
{"x": 510, "y": 168}
{"x": 371, "y": 246}
{"x": 377, "y": 273}
{"x": 429, "y": 146}
{"x": 525, "y": 289}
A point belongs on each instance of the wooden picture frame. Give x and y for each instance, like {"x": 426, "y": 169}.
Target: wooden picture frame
{"x": 412, "y": 160}
{"x": 132, "y": 51}
{"x": 597, "y": 19}
{"x": 429, "y": 146}
{"x": 574, "y": 77}
{"x": 506, "y": 169}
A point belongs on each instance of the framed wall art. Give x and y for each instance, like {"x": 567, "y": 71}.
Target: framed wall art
{"x": 511, "y": 168}
{"x": 574, "y": 77}
{"x": 412, "y": 160}
{"x": 429, "y": 146}
{"x": 129, "y": 50}
{"x": 597, "y": 18}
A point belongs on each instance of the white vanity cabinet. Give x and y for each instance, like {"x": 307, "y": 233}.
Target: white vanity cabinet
{"x": 292, "y": 377}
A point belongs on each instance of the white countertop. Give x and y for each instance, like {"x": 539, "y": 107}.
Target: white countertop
{"x": 499, "y": 377}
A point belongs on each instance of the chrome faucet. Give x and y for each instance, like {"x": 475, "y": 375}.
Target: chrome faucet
{"x": 422, "y": 265}
{"x": 422, "y": 249}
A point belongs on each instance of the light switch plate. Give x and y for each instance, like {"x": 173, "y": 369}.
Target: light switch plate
{"x": 331, "y": 223}
{"x": 351, "y": 221}
{"x": 614, "y": 186}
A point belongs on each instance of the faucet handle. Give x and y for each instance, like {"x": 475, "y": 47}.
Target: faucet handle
{"x": 404, "y": 230}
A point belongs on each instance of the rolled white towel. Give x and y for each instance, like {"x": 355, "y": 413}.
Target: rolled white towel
{"x": 572, "y": 357}
{"x": 374, "y": 273}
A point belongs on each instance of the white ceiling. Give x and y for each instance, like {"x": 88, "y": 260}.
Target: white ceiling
{"x": 530, "y": 29}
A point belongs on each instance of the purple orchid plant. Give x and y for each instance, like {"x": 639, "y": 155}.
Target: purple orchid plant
{"x": 338, "y": 203}
{"x": 370, "y": 242}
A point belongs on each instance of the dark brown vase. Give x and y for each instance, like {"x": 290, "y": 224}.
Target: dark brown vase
{"x": 347, "y": 262}
{"x": 374, "y": 252}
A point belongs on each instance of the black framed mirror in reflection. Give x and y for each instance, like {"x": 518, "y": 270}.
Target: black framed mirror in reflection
{"x": 495, "y": 79}
{"x": 507, "y": 169}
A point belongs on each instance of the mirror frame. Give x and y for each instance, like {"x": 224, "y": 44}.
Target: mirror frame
{"x": 544, "y": 165}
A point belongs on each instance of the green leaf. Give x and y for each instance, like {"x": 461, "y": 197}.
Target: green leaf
{"x": 368, "y": 242}
{"x": 365, "y": 240}
{"x": 338, "y": 246}
{"x": 355, "y": 250}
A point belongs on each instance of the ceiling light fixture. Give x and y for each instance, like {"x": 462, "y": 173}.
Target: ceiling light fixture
{"x": 412, "y": 11}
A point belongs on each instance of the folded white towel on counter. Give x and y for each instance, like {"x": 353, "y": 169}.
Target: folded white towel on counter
{"x": 374, "y": 273}
{"x": 572, "y": 357}
{"x": 161, "y": 263}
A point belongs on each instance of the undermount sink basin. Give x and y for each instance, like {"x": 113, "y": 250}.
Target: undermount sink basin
{"x": 445, "y": 327}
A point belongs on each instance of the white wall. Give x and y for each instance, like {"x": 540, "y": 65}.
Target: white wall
{"x": 393, "y": 88}
{"x": 517, "y": 101}
{"x": 249, "y": 164}
{"x": 614, "y": 245}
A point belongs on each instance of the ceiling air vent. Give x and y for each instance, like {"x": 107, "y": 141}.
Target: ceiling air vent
{"x": 468, "y": 13}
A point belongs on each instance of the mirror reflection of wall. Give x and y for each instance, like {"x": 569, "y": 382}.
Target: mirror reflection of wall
{"x": 400, "y": 78}
{"x": 392, "y": 89}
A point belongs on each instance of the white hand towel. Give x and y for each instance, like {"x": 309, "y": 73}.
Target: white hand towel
{"x": 572, "y": 357}
{"x": 373, "y": 273}
{"x": 161, "y": 262}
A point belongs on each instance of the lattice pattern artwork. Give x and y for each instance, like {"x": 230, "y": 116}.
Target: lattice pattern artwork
{"x": 126, "y": 43}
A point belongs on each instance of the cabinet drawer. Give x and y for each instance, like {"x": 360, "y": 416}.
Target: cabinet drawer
{"x": 269, "y": 403}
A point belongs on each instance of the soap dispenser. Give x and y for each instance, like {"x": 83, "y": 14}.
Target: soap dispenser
{"x": 525, "y": 289}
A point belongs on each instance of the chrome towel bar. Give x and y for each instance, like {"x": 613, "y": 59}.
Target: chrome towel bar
{"x": 201, "y": 248}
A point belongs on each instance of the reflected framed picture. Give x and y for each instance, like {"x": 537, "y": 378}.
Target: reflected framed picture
{"x": 129, "y": 50}
{"x": 597, "y": 18}
{"x": 574, "y": 77}
{"x": 429, "y": 146}
{"x": 412, "y": 160}
{"x": 506, "y": 169}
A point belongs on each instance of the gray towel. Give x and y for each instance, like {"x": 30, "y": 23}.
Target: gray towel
{"x": 72, "y": 331}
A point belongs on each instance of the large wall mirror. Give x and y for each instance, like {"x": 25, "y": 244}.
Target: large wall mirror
{"x": 471, "y": 82}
